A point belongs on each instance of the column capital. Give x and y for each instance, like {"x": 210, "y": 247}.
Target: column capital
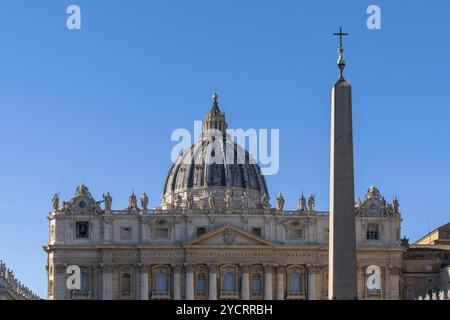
{"x": 268, "y": 267}
{"x": 176, "y": 267}
{"x": 394, "y": 270}
{"x": 281, "y": 268}
{"x": 313, "y": 268}
{"x": 212, "y": 267}
{"x": 189, "y": 267}
{"x": 107, "y": 267}
{"x": 142, "y": 267}
{"x": 60, "y": 267}
{"x": 245, "y": 267}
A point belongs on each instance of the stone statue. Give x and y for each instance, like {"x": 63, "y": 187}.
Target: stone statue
{"x": 132, "y": 202}
{"x": 441, "y": 295}
{"x": 189, "y": 200}
{"x": 82, "y": 190}
{"x": 311, "y": 202}
{"x": 244, "y": 200}
{"x": 265, "y": 201}
{"x": 178, "y": 201}
{"x": 434, "y": 296}
{"x": 301, "y": 203}
{"x": 108, "y": 201}
{"x": 55, "y": 202}
{"x": 65, "y": 206}
{"x": 211, "y": 200}
{"x": 427, "y": 297}
{"x": 144, "y": 201}
{"x": 280, "y": 202}
{"x": 228, "y": 198}
{"x": 395, "y": 205}
{"x": 420, "y": 298}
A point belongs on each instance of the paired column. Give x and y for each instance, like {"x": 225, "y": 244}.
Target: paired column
{"x": 245, "y": 282}
{"x": 189, "y": 281}
{"x": 268, "y": 269}
{"x": 106, "y": 281}
{"x": 212, "y": 281}
{"x": 281, "y": 271}
{"x": 176, "y": 281}
{"x": 143, "y": 275}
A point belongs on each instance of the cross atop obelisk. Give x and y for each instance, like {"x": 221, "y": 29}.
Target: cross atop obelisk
{"x": 341, "y": 61}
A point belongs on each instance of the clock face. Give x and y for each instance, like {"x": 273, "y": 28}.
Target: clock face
{"x": 82, "y": 205}
{"x": 373, "y": 208}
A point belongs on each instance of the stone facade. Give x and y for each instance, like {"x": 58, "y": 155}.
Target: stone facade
{"x": 426, "y": 266}
{"x": 213, "y": 253}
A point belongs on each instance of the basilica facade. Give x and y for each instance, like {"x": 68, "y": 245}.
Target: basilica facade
{"x": 215, "y": 236}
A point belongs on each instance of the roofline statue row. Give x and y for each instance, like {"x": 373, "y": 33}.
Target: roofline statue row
{"x": 373, "y": 203}
{"x": 9, "y": 282}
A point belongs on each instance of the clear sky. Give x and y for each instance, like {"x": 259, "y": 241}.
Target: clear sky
{"x": 98, "y": 105}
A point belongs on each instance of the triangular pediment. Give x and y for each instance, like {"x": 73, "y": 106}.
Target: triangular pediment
{"x": 228, "y": 235}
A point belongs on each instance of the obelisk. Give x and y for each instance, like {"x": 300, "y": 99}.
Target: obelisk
{"x": 342, "y": 239}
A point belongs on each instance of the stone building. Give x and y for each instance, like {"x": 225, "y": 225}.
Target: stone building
{"x": 11, "y": 288}
{"x": 426, "y": 265}
{"x": 215, "y": 236}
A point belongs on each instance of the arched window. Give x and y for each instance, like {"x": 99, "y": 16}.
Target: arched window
{"x": 126, "y": 284}
{"x": 162, "y": 282}
{"x": 84, "y": 277}
{"x": 295, "y": 282}
{"x": 256, "y": 284}
{"x": 201, "y": 284}
{"x": 229, "y": 281}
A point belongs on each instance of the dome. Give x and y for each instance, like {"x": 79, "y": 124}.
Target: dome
{"x": 212, "y": 167}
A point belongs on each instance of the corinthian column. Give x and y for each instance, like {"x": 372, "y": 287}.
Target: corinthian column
{"x": 245, "y": 282}
{"x": 106, "y": 281}
{"x": 281, "y": 270}
{"x": 143, "y": 271}
{"x": 268, "y": 269}
{"x": 212, "y": 290}
{"x": 59, "y": 293}
{"x": 189, "y": 281}
{"x": 313, "y": 282}
{"x": 176, "y": 282}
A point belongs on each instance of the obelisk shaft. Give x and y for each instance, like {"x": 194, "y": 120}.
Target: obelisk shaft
{"x": 342, "y": 238}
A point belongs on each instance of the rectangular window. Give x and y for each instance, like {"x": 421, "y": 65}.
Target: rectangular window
{"x": 162, "y": 282}
{"x": 373, "y": 231}
{"x": 201, "y": 285}
{"x": 295, "y": 234}
{"x": 256, "y": 284}
{"x": 161, "y": 233}
{"x": 201, "y": 231}
{"x": 256, "y": 231}
{"x": 125, "y": 233}
{"x": 82, "y": 229}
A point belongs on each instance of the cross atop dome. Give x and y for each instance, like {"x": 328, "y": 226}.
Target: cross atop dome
{"x": 215, "y": 119}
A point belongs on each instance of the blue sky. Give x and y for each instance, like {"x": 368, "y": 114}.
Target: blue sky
{"x": 98, "y": 105}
